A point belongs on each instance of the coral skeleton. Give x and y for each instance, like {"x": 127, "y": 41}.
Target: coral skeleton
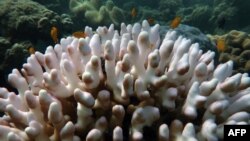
{"x": 122, "y": 85}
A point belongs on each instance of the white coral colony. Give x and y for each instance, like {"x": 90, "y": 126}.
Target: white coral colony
{"x": 118, "y": 85}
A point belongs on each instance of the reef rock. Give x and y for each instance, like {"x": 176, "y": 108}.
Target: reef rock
{"x": 28, "y": 19}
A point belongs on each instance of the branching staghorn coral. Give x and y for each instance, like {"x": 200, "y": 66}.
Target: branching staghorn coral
{"x": 113, "y": 85}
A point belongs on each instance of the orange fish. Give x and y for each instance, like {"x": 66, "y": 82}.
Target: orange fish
{"x": 151, "y": 21}
{"x": 175, "y": 22}
{"x": 54, "y": 34}
{"x": 221, "y": 46}
{"x": 31, "y": 50}
{"x": 133, "y": 13}
{"x": 79, "y": 34}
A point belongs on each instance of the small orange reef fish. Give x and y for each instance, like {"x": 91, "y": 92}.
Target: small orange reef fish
{"x": 133, "y": 13}
{"x": 54, "y": 34}
{"x": 221, "y": 46}
{"x": 175, "y": 22}
{"x": 79, "y": 34}
{"x": 31, "y": 50}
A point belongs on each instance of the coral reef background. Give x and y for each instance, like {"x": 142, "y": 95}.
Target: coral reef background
{"x": 237, "y": 49}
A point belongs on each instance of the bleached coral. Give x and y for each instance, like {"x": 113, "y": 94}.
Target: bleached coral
{"x": 112, "y": 85}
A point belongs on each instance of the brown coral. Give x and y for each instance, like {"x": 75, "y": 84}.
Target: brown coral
{"x": 238, "y": 49}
